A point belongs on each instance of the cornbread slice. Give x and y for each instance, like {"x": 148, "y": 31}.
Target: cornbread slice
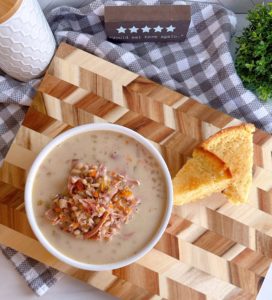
{"x": 234, "y": 145}
{"x": 201, "y": 176}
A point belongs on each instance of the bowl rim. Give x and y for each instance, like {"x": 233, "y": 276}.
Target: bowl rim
{"x": 66, "y": 135}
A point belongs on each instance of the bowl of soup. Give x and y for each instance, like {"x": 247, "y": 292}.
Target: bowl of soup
{"x": 99, "y": 196}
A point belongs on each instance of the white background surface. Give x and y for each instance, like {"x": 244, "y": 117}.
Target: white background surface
{"x": 266, "y": 289}
{"x": 12, "y": 286}
{"x": 241, "y": 6}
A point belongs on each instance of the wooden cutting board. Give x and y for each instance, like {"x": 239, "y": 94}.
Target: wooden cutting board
{"x": 211, "y": 249}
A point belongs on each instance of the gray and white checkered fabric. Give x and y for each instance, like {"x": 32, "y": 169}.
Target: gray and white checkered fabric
{"x": 14, "y": 98}
{"x": 201, "y": 67}
{"x": 38, "y": 276}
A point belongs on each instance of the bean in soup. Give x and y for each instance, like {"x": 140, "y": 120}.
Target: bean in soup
{"x": 96, "y": 204}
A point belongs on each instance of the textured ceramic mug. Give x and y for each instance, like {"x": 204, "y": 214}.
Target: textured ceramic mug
{"x": 27, "y": 44}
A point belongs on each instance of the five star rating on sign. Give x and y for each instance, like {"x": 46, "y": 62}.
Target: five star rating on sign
{"x": 146, "y": 29}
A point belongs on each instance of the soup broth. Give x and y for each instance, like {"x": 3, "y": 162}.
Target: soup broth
{"x": 120, "y": 154}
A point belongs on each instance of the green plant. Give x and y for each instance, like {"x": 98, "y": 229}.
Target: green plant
{"x": 254, "y": 53}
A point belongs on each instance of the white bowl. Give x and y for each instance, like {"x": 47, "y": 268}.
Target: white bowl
{"x": 59, "y": 139}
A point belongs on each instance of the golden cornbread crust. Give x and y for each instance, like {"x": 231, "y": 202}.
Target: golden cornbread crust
{"x": 202, "y": 175}
{"x": 234, "y": 145}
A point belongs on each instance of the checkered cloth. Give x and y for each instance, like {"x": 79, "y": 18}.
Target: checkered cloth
{"x": 38, "y": 276}
{"x": 14, "y": 96}
{"x": 201, "y": 67}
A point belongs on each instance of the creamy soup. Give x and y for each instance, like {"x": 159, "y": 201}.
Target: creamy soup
{"x": 123, "y": 155}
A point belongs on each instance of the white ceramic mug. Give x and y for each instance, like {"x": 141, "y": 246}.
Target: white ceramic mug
{"x": 27, "y": 44}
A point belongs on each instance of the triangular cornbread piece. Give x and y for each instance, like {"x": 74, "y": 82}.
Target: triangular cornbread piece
{"x": 201, "y": 176}
{"x": 234, "y": 145}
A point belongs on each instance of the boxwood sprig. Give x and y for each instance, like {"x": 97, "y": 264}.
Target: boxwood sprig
{"x": 254, "y": 53}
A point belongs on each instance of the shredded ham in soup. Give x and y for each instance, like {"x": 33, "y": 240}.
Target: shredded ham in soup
{"x": 97, "y": 203}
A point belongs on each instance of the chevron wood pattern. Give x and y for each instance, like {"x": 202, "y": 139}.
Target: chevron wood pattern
{"x": 211, "y": 249}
